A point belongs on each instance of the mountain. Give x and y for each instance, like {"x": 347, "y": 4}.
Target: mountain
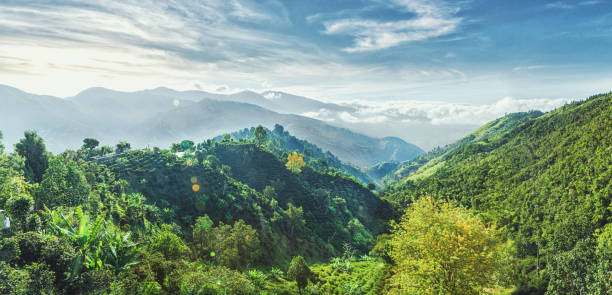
{"x": 208, "y": 118}
{"x": 52, "y": 117}
{"x": 421, "y": 164}
{"x": 546, "y": 182}
{"x": 113, "y": 108}
{"x": 281, "y": 143}
{"x": 161, "y": 116}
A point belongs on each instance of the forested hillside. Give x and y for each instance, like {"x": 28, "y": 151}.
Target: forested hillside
{"x": 233, "y": 213}
{"x": 547, "y": 183}
{"x": 431, "y": 160}
{"x": 281, "y": 143}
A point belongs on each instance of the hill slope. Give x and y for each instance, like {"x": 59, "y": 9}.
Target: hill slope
{"x": 281, "y": 143}
{"x": 484, "y": 134}
{"x": 547, "y": 182}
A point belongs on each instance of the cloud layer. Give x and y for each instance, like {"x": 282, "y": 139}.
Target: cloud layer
{"x": 436, "y": 113}
{"x": 427, "y": 124}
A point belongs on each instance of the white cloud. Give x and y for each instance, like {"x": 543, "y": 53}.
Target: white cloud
{"x": 432, "y": 19}
{"x": 64, "y": 47}
{"x": 436, "y": 113}
{"x": 271, "y": 95}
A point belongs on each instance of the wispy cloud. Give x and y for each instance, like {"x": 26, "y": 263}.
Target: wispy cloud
{"x": 571, "y": 5}
{"x": 428, "y": 19}
{"x": 136, "y": 44}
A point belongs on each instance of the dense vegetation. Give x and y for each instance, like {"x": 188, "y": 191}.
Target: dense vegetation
{"x": 522, "y": 206}
{"x": 391, "y": 172}
{"x": 215, "y": 217}
{"x": 547, "y": 184}
{"x": 280, "y": 142}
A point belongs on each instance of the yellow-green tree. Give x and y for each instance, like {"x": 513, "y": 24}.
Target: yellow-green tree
{"x": 440, "y": 248}
{"x": 295, "y": 162}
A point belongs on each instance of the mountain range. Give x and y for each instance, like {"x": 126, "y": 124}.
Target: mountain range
{"x": 161, "y": 116}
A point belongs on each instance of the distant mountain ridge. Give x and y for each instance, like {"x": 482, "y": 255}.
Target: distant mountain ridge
{"x": 161, "y": 116}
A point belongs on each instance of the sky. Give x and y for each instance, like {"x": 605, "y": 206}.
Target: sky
{"x": 476, "y": 52}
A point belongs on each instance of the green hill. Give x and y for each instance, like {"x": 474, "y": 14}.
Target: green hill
{"x": 258, "y": 189}
{"x": 281, "y": 143}
{"x": 133, "y": 221}
{"x": 546, "y": 180}
{"x": 425, "y": 163}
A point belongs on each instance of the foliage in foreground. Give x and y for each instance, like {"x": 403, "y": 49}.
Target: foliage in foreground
{"x": 439, "y": 248}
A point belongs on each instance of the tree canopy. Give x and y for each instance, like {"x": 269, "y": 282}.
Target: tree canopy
{"x": 440, "y": 248}
{"x": 33, "y": 149}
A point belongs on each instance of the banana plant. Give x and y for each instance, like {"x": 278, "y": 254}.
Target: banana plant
{"x": 82, "y": 232}
{"x": 119, "y": 251}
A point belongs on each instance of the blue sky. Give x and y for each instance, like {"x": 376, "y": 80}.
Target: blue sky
{"x": 473, "y": 52}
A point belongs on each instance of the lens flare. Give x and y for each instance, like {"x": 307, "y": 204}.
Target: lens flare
{"x": 195, "y": 187}
{"x": 194, "y": 180}
{"x": 176, "y": 102}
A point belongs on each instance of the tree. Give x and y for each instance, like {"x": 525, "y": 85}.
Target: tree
{"x": 1, "y": 146}
{"x": 585, "y": 269}
{"x": 90, "y": 143}
{"x": 64, "y": 184}
{"x": 213, "y": 162}
{"x": 123, "y": 147}
{"x": 439, "y": 248}
{"x": 234, "y": 246}
{"x": 299, "y": 271}
{"x": 260, "y": 135}
{"x": 168, "y": 244}
{"x": 295, "y": 217}
{"x": 371, "y": 186}
{"x": 18, "y": 208}
{"x": 105, "y": 150}
{"x": 295, "y": 162}
{"x": 278, "y": 129}
{"x": 33, "y": 149}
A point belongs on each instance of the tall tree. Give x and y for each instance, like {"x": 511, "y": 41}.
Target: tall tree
{"x": 260, "y": 135}
{"x": 1, "y": 146}
{"x": 439, "y": 248}
{"x": 123, "y": 147}
{"x": 90, "y": 143}
{"x": 299, "y": 271}
{"x": 278, "y": 129}
{"x": 295, "y": 162}
{"x": 33, "y": 149}
{"x": 64, "y": 184}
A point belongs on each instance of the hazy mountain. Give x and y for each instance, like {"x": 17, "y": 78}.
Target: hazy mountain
{"x": 114, "y": 108}
{"x": 52, "y": 117}
{"x": 208, "y": 118}
{"x": 161, "y": 116}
